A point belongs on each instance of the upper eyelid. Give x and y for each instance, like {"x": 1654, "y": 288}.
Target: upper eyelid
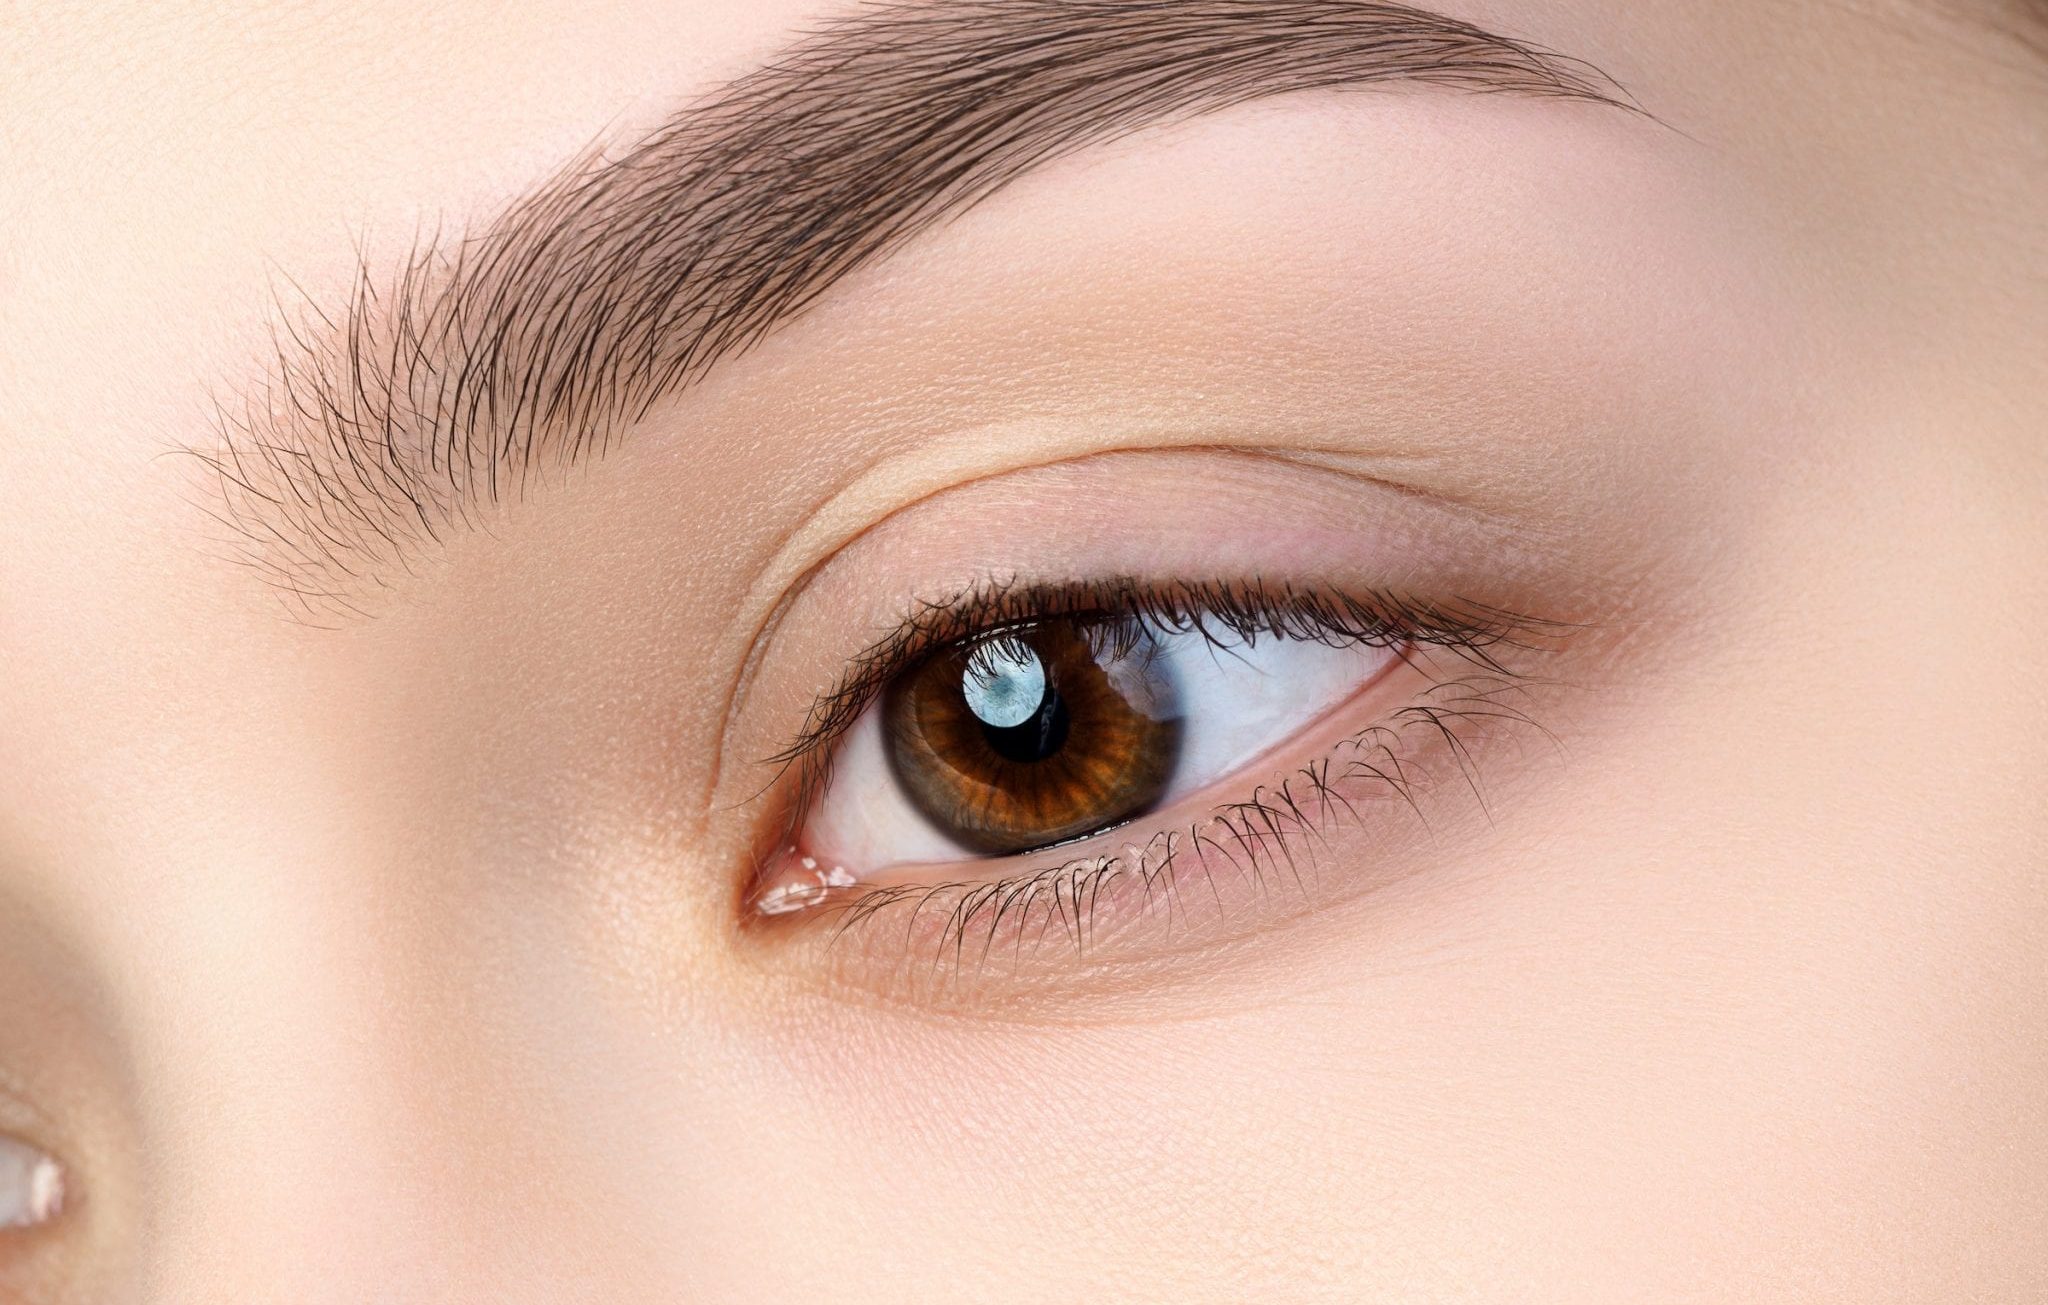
{"x": 970, "y": 612}
{"x": 1470, "y": 628}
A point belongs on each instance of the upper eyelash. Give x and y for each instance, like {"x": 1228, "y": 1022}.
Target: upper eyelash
{"x": 1243, "y": 610}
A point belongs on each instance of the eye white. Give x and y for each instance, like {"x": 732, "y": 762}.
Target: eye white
{"x": 1236, "y": 700}
{"x": 31, "y": 1185}
{"x": 1240, "y": 700}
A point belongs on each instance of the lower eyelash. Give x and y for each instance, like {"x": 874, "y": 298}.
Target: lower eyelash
{"x": 1239, "y": 855}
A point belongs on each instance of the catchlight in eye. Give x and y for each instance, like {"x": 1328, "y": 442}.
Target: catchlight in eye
{"x": 1036, "y": 734}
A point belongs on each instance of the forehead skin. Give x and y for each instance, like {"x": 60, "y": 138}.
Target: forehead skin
{"x": 371, "y": 1013}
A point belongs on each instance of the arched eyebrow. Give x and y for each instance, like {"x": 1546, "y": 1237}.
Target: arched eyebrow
{"x": 386, "y": 421}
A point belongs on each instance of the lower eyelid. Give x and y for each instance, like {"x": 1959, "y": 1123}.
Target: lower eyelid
{"x": 1259, "y": 857}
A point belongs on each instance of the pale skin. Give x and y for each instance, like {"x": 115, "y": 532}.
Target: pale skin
{"x": 400, "y": 948}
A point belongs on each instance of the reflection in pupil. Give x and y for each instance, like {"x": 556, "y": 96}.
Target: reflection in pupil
{"x": 1035, "y": 735}
{"x": 1035, "y": 739}
{"x": 1004, "y": 684}
{"x": 1021, "y": 715}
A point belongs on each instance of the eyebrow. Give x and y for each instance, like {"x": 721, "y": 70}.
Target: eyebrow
{"x": 381, "y": 424}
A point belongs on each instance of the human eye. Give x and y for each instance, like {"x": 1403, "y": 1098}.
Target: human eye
{"x": 31, "y": 1186}
{"x": 33, "y": 1231}
{"x": 1043, "y": 769}
{"x": 1065, "y": 725}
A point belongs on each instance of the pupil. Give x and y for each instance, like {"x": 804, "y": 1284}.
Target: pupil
{"x": 1035, "y": 735}
{"x": 1021, "y": 717}
{"x": 1034, "y": 740}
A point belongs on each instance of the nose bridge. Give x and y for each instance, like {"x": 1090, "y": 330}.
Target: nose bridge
{"x": 340, "y": 1102}
{"x": 287, "y": 1155}
{"x": 242, "y": 917}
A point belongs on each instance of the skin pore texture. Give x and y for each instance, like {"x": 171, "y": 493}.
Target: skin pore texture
{"x": 382, "y": 788}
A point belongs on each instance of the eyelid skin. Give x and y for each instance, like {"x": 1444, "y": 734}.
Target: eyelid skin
{"x": 1153, "y": 516}
{"x": 821, "y": 161}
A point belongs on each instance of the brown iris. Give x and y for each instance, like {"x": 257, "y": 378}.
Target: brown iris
{"x": 1034, "y": 735}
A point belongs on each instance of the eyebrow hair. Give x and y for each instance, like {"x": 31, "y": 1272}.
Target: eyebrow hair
{"x": 384, "y": 423}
